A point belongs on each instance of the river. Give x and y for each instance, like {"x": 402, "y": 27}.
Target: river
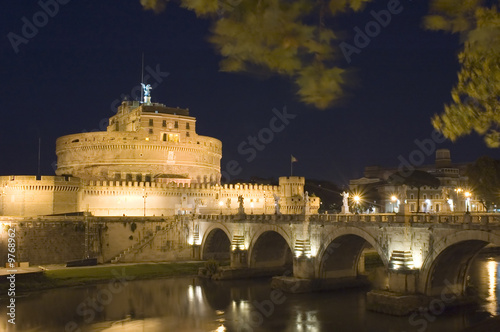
{"x": 192, "y": 304}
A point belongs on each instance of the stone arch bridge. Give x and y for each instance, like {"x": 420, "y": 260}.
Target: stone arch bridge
{"x": 427, "y": 256}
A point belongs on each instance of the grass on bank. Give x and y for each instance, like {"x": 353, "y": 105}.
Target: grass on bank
{"x": 77, "y": 276}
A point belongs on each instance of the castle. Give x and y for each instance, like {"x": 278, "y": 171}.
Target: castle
{"x": 149, "y": 162}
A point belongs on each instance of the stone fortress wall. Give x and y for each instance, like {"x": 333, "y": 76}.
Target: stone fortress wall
{"x": 29, "y": 196}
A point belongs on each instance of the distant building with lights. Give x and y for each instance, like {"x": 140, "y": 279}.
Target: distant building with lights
{"x": 150, "y": 161}
{"x": 453, "y": 195}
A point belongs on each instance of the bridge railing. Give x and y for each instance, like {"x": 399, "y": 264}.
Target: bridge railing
{"x": 448, "y": 218}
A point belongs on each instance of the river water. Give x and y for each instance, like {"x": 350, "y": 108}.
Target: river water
{"x": 191, "y": 304}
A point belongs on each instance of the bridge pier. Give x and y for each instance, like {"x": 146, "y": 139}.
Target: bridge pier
{"x": 239, "y": 259}
{"x": 303, "y": 267}
{"x": 400, "y": 298}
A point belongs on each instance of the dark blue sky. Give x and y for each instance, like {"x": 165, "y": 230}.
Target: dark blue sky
{"x": 67, "y": 77}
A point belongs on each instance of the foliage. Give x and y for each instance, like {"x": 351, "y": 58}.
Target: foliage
{"x": 484, "y": 178}
{"x": 416, "y": 179}
{"x": 287, "y": 38}
{"x": 211, "y": 266}
{"x": 476, "y": 97}
{"x": 296, "y": 39}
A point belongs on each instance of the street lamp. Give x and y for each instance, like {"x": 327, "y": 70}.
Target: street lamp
{"x": 393, "y": 199}
{"x": 221, "y": 203}
{"x": 356, "y": 199}
{"x": 467, "y": 195}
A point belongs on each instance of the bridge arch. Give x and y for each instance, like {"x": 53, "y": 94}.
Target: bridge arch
{"x": 339, "y": 254}
{"x": 445, "y": 269}
{"x": 271, "y": 247}
{"x": 216, "y": 243}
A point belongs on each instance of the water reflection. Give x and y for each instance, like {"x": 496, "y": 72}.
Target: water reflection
{"x": 190, "y": 304}
{"x": 492, "y": 304}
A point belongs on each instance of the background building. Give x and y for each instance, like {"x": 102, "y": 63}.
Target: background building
{"x": 453, "y": 194}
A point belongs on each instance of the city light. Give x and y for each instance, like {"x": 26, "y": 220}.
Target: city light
{"x": 467, "y": 195}
{"x": 221, "y": 203}
{"x": 394, "y": 199}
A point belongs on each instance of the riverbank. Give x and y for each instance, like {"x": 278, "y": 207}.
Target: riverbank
{"x": 54, "y": 276}
{"x": 489, "y": 325}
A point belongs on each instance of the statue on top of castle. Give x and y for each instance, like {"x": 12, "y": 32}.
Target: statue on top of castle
{"x": 146, "y": 88}
{"x": 147, "y": 94}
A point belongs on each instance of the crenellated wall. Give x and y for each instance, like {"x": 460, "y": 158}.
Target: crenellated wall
{"x": 27, "y": 196}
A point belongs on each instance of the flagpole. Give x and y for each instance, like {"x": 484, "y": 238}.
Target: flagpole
{"x": 291, "y": 167}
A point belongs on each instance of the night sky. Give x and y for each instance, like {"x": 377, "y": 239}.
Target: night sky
{"x": 67, "y": 78}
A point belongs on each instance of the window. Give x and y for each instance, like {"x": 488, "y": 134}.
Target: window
{"x": 150, "y": 122}
{"x": 425, "y": 196}
{"x": 187, "y": 133}
{"x": 117, "y": 126}
{"x": 150, "y": 130}
{"x": 118, "y": 176}
{"x": 138, "y": 178}
{"x": 411, "y": 196}
{"x": 187, "y": 125}
{"x": 164, "y": 123}
{"x": 176, "y": 124}
{"x": 173, "y": 137}
{"x": 164, "y": 137}
{"x": 129, "y": 177}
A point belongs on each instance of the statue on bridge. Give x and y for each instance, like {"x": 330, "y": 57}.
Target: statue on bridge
{"x": 241, "y": 209}
{"x": 345, "y": 201}
{"x": 276, "y": 204}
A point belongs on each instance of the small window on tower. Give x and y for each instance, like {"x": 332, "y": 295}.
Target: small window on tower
{"x": 150, "y": 122}
{"x": 187, "y": 133}
{"x": 187, "y": 125}
{"x": 164, "y": 137}
{"x": 176, "y": 124}
{"x": 150, "y": 130}
{"x": 164, "y": 123}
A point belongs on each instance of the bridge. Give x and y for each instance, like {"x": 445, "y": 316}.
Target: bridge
{"x": 426, "y": 256}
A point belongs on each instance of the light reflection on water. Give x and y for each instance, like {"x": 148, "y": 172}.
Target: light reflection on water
{"x": 190, "y": 304}
{"x": 492, "y": 305}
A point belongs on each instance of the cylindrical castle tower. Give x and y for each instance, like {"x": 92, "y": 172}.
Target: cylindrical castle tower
{"x": 143, "y": 142}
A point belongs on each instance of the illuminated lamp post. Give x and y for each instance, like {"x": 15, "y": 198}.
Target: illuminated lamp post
{"x": 221, "y": 203}
{"x": 393, "y": 200}
{"x": 356, "y": 199}
{"x": 467, "y": 195}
